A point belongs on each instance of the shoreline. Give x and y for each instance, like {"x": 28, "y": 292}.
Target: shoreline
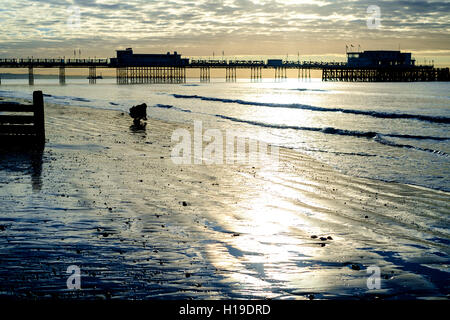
{"x": 111, "y": 109}
{"x": 109, "y": 199}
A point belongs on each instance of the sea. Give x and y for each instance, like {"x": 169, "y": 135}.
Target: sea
{"x": 395, "y": 132}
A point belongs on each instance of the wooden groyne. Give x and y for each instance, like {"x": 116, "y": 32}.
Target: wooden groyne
{"x": 22, "y": 124}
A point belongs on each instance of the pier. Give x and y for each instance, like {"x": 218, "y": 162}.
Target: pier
{"x": 61, "y": 64}
{"x": 419, "y": 73}
{"x": 369, "y": 66}
{"x": 141, "y": 75}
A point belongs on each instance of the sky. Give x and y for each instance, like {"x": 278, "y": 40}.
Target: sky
{"x": 311, "y": 29}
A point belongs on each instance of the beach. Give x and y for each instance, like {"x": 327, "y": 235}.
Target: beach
{"x": 109, "y": 199}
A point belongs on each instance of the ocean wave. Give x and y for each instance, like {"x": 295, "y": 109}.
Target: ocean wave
{"x": 327, "y": 130}
{"x": 375, "y": 114}
{"x": 81, "y": 99}
{"x": 384, "y": 141}
{"x": 416, "y": 137}
{"x": 14, "y": 94}
{"x": 9, "y": 102}
{"x": 166, "y": 106}
{"x": 306, "y": 89}
{"x": 340, "y": 153}
{"x": 61, "y": 97}
{"x": 377, "y": 137}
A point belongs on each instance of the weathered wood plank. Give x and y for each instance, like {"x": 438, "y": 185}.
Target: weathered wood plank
{"x": 38, "y": 103}
{"x": 17, "y": 129}
{"x": 12, "y": 107}
{"x": 14, "y": 119}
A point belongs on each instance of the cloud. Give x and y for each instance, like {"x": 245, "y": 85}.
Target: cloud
{"x": 33, "y": 25}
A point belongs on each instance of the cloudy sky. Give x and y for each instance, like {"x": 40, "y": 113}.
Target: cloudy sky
{"x": 238, "y": 27}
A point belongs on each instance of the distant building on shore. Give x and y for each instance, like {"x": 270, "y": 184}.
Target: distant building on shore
{"x": 127, "y": 58}
{"x": 380, "y": 58}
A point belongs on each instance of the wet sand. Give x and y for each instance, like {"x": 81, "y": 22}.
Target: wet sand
{"x": 109, "y": 199}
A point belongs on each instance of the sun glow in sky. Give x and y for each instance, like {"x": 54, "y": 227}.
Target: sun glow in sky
{"x": 237, "y": 27}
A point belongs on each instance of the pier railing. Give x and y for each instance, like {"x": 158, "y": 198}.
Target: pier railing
{"x": 193, "y": 63}
{"x": 49, "y": 63}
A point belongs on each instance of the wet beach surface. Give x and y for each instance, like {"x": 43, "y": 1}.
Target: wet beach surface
{"x": 107, "y": 198}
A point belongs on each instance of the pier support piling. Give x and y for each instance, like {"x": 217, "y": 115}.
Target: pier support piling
{"x": 255, "y": 73}
{"x": 384, "y": 74}
{"x": 280, "y": 73}
{"x": 205, "y": 74}
{"x": 30, "y": 76}
{"x": 230, "y": 74}
{"x": 142, "y": 75}
{"x": 92, "y": 75}
{"x": 62, "y": 75}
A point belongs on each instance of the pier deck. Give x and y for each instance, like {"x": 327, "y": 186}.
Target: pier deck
{"x": 176, "y": 73}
